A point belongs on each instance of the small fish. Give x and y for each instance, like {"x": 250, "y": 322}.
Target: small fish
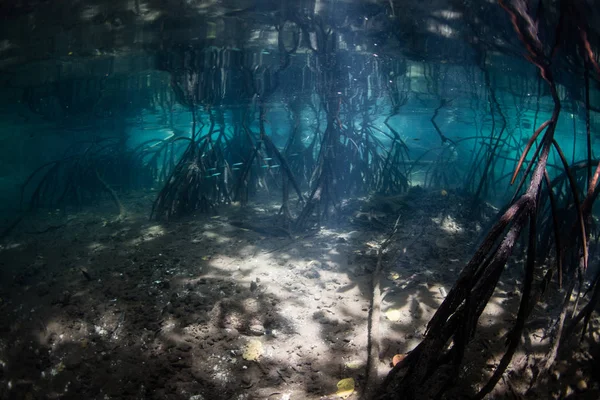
{"x": 416, "y": 139}
{"x": 211, "y": 169}
{"x": 235, "y": 169}
{"x": 208, "y": 176}
{"x": 265, "y": 166}
{"x": 268, "y": 159}
{"x": 237, "y": 164}
{"x": 217, "y": 174}
{"x": 275, "y": 166}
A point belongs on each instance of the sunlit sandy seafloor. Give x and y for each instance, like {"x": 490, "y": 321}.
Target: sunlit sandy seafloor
{"x": 202, "y": 309}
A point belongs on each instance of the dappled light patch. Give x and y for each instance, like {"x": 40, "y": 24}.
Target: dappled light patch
{"x": 96, "y": 247}
{"x": 89, "y": 13}
{"x": 217, "y": 238}
{"x": 154, "y": 231}
{"x": 448, "y": 224}
{"x": 147, "y": 234}
{"x": 441, "y": 29}
{"x": 9, "y": 246}
{"x": 5, "y": 45}
{"x": 493, "y": 311}
{"x": 448, "y": 14}
{"x": 150, "y": 16}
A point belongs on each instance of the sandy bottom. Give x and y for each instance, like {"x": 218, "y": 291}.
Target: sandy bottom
{"x": 228, "y": 306}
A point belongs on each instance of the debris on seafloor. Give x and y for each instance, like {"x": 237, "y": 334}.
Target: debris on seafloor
{"x": 345, "y": 388}
{"x": 354, "y": 364}
{"x": 253, "y": 350}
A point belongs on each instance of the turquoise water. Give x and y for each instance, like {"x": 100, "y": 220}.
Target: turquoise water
{"x": 128, "y": 109}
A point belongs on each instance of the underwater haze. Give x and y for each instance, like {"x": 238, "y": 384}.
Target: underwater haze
{"x": 299, "y": 199}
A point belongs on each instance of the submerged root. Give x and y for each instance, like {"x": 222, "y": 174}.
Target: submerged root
{"x": 183, "y": 192}
{"x": 113, "y": 196}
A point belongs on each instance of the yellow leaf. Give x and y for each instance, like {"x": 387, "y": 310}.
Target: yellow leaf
{"x": 345, "y": 388}
{"x": 70, "y": 53}
{"x": 393, "y": 315}
{"x": 253, "y": 350}
{"x": 205, "y": 258}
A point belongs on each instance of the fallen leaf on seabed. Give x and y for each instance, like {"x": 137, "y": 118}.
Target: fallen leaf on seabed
{"x": 397, "y": 358}
{"x": 393, "y": 315}
{"x": 345, "y": 388}
{"x": 253, "y": 350}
